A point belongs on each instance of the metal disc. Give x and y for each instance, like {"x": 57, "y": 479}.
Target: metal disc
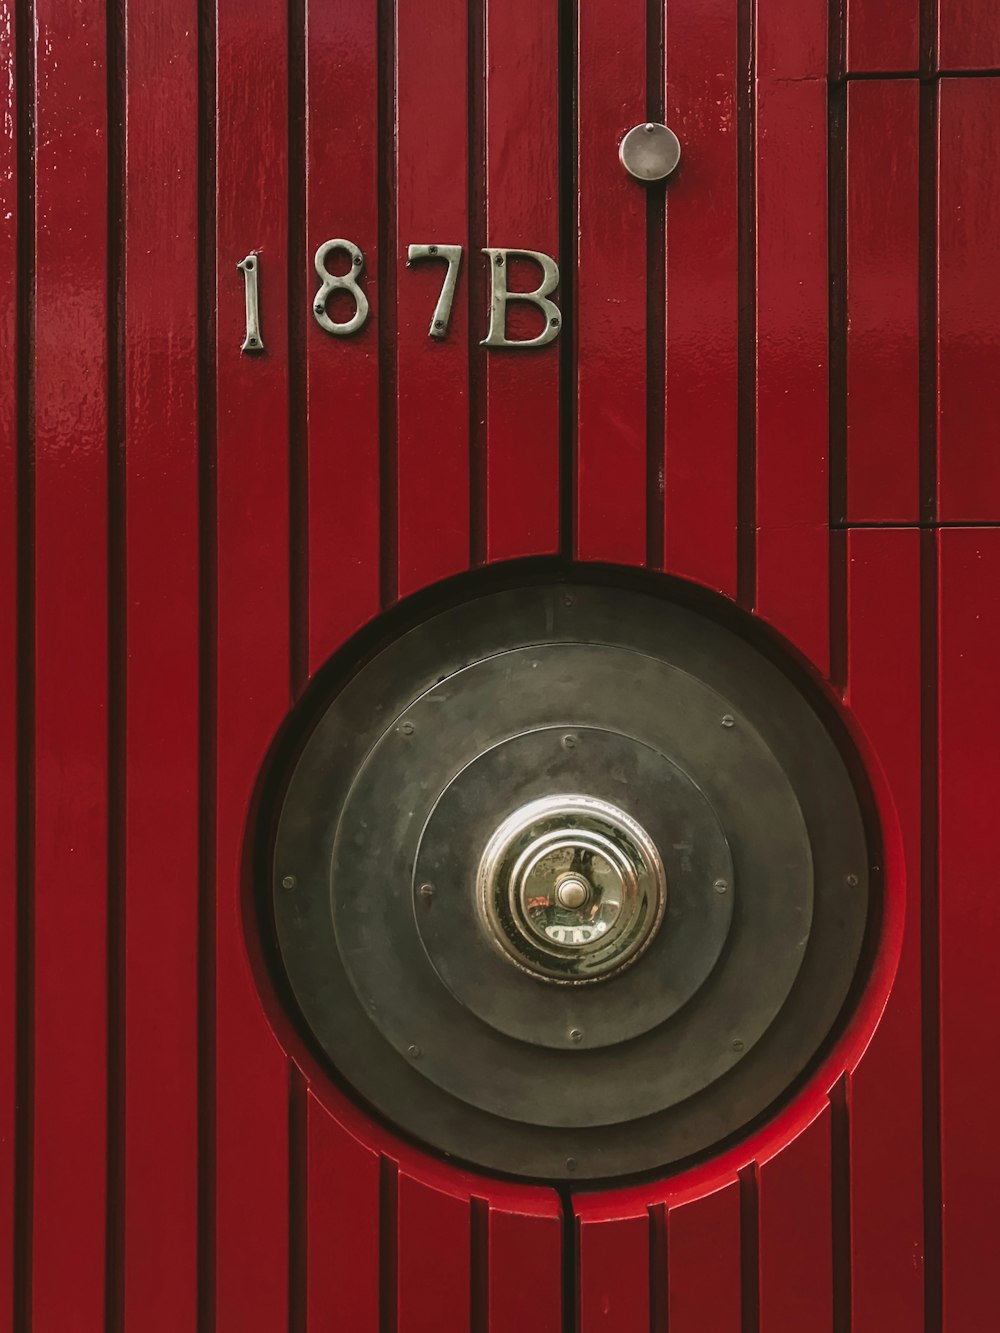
{"x": 650, "y": 152}
{"x": 414, "y": 764}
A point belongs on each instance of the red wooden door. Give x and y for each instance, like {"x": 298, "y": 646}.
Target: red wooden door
{"x": 777, "y": 379}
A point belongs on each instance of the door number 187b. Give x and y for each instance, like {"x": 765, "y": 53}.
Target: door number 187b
{"x": 451, "y": 256}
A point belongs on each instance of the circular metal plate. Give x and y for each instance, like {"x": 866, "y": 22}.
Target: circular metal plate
{"x": 421, "y": 767}
{"x": 650, "y": 152}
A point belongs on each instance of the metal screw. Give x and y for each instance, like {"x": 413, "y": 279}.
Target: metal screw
{"x": 426, "y": 892}
{"x": 570, "y": 1163}
{"x": 568, "y": 742}
{"x": 728, "y": 720}
{"x": 357, "y": 261}
{"x": 318, "y": 307}
{"x": 439, "y": 323}
{"x": 575, "y": 1034}
{"x": 567, "y": 600}
{"x": 432, "y": 249}
{"x": 721, "y": 886}
{"x": 554, "y": 323}
{"x": 414, "y": 1051}
{"x": 499, "y": 261}
{"x": 737, "y": 1045}
{"x": 853, "y": 880}
{"x": 649, "y": 128}
{"x": 406, "y": 728}
{"x": 288, "y": 882}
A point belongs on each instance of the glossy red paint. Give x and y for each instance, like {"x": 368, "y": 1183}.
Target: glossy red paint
{"x": 188, "y": 534}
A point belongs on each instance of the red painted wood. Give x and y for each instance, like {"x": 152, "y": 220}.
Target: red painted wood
{"x": 342, "y": 377}
{"x": 792, "y": 327}
{"x": 613, "y": 1251}
{"x": 791, "y": 39}
{"x": 969, "y": 737}
{"x": 522, "y": 210}
{"x": 525, "y": 1264}
{"x": 700, "y": 474}
{"x": 703, "y": 1258}
{"x": 10, "y": 294}
{"x": 886, "y": 1143}
{"x": 968, "y": 35}
{"x": 883, "y": 463}
{"x": 882, "y": 35}
{"x": 795, "y": 1246}
{"x": 342, "y": 1227}
{"x": 161, "y": 699}
{"x": 611, "y": 287}
{"x": 252, "y": 653}
{"x": 968, "y": 296}
{"x": 432, "y": 194}
{"x": 71, "y": 671}
{"x": 432, "y": 1246}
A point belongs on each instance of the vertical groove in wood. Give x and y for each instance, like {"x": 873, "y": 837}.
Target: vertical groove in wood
{"x": 930, "y": 916}
{"x": 840, "y": 1198}
{"x": 927, "y": 283}
{"x": 388, "y": 424}
{"x": 568, "y": 43}
{"x": 749, "y": 1197}
{"x": 659, "y": 1262}
{"x": 298, "y": 1200}
{"x": 117, "y": 682}
{"x": 298, "y": 437}
{"x": 208, "y": 619}
{"x": 746, "y": 447}
{"x": 837, "y": 230}
{"x": 656, "y": 296}
{"x": 24, "y": 630}
{"x": 472, "y": 275}
{"x": 388, "y": 1245}
{"x": 479, "y": 1266}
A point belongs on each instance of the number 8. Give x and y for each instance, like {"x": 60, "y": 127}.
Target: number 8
{"x": 345, "y": 283}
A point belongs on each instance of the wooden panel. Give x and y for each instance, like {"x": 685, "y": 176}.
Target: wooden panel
{"x": 882, "y": 35}
{"x": 886, "y": 1144}
{"x": 432, "y": 195}
{"x": 11, "y": 289}
{"x": 969, "y": 740}
{"x": 161, "y": 737}
{"x": 342, "y": 1227}
{"x": 432, "y": 1245}
{"x": 792, "y": 328}
{"x": 791, "y": 39}
{"x": 342, "y": 377}
{"x": 968, "y": 34}
{"x": 525, "y": 1265}
{"x": 703, "y": 1257}
{"x": 252, "y": 653}
{"x": 71, "y": 659}
{"x": 795, "y": 1233}
{"x": 611, "y": 288}
{"x": 612, "y": 1268}
{"x": 883, "y": 462}
{"x": 522, "y": 210}
{"x": 700, "y": 472}
{"x": 968, "y": 299}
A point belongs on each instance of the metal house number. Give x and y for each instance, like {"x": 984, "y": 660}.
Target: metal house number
{"x": 451, "y": 255}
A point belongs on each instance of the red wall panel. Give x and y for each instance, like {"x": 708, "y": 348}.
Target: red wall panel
{"x": 189, "y": 534}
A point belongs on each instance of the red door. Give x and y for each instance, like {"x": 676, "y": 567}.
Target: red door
{"x": 775, "y": 377}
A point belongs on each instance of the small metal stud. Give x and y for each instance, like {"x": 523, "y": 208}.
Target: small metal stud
{"x": 728, "y": 720}
{"x": 406, "y": 728}
{"x": 853, "y": 880}
{"x": 570, "y": 1163}
{"x": 413, "y": 1051}
{"x": 737, "y": 1045}
{"x": 721, "y": 886}
{"x": 288, "y": 882}
{"x": 575, "y": 1034}
{"x": 568, "y": 742}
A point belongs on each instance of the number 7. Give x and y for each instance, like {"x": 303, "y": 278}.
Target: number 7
{"x": 453, "y": 255}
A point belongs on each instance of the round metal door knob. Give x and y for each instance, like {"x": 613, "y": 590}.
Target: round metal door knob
{"x": 650, "y": 152}
{"x": 571, "y": 888}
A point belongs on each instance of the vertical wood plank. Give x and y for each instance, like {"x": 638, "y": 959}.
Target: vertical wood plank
{"x": 433, "y": 1247}
{"x": 610, "y": 302}
{"x": 968, "y": 297}
{"x": 969, "y": 732}
{"x": 791, "y": 39}
{"x": 882, "y": 36}
{"x": 161, "y": 627}
{"x": 792, "y": 506}
{"x": 883, "y": 462}
{"x": 700, "y": 470}
{"x": 612, "y": 1269}
{"x": 524, "y": 1264}
{"x": 795, "y": 1233}
{"x": 432, "y": 194}
{"x": 886, "y": 1133}
{"x": 71, "y": 684}
{"x": 342, "y": 375}
{"x": 342, "y": 1220}
{"x": 11, "y": 290}
{"x": 968, "y": 35}
{"x": 522, "y": 210}
{"x": 703, "y": 1263}
{"x": 252, "y": 650}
